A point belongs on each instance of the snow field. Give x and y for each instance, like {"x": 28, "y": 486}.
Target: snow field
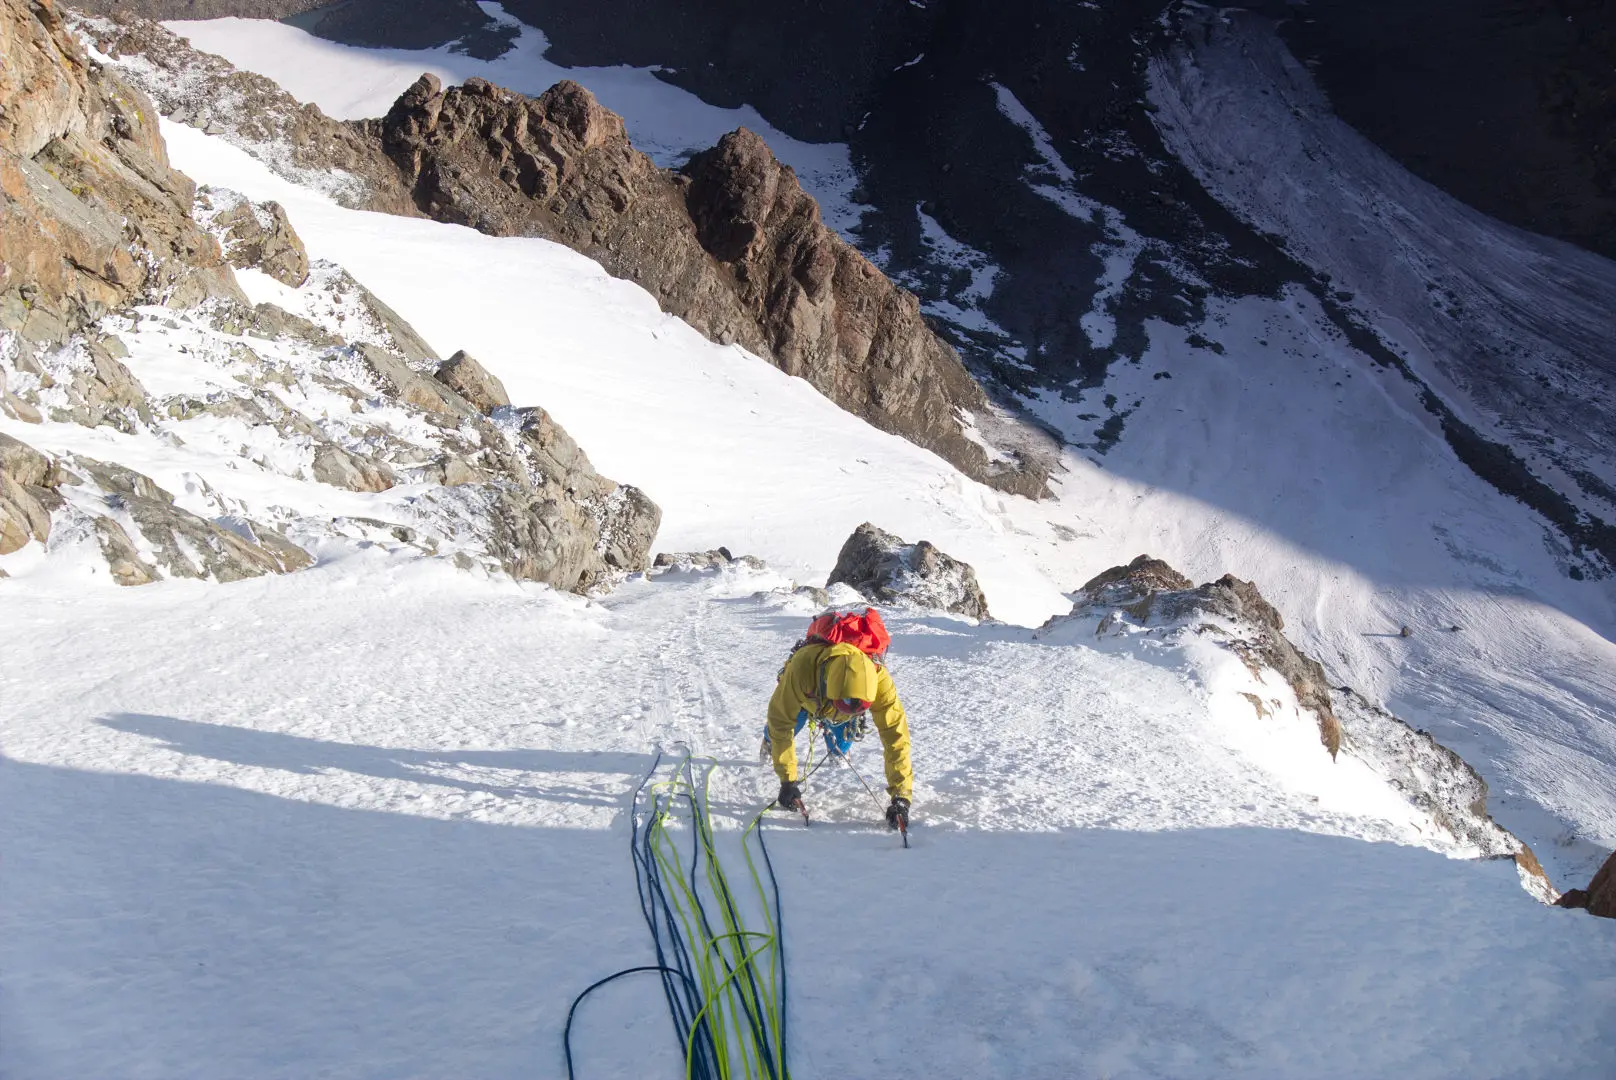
{"x": 1349, "y": 545}
{"x": 1287, "y": 459}
{"x": 317, "y": 847}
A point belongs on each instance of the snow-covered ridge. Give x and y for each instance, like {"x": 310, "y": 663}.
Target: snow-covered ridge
{"x": 1275, "y": 702}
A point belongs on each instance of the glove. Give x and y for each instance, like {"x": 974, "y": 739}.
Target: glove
{"x": 790, "y": 795}
{"x": 898, "y": 813}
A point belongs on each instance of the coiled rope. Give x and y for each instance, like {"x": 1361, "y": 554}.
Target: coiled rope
{"x": 724, "y": 982}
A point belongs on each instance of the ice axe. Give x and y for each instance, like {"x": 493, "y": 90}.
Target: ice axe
{"x": 903, "y": 827}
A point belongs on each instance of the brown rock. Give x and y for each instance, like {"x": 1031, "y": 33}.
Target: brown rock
{"x": 1124, "y": 585}
{"x": 452, "y": 471}
{"x": 1602, "y": 890}
{"x": 92, "y": 217}
{"x": 734, "y": 246}
{"x": 543, "y": 511}
{"x": 1148, "y": 588}
{"x": 413, "y": 388}
{"x": 466, "y": 377}
{"x": 22, "y": 516}
{"x": 26, "y": 465}
{"x": 123, "y": 560}
{"x": 254, "y": 236}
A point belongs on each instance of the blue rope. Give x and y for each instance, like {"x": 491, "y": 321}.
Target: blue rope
{"x": 675, "y": 963}
{"x": 704, "y": 830}
{"x": 566, "y": 1034}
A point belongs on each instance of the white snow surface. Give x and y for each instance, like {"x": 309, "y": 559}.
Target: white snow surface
{"x": 370, "y": 819}
{"x": 250, "y": 832}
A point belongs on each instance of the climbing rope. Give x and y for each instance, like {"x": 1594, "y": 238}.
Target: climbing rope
{"x": 724, "y": 981}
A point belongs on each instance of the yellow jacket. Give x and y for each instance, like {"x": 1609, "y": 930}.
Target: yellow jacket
{"x": 817, "y": 675}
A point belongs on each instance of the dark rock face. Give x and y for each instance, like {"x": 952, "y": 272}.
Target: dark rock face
{"x": 887, "y": 570}
{"x": 734, "y": 246}
{"x": 1509, "y": 105}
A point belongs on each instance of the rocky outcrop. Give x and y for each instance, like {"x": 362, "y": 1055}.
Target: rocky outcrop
{"x": 341, "y": 392}
{"x": 1149, "y": 596}
{"x": 1149, "y": 591}
{"x": 466, "y": 377}
{"x": 1599, "y": 898}
{"x": 182, "y": 545}
{"x": 412, "y": 388}
{"x": 715, "y": 559}
{"x": 88, "y": 384}
{"x": 26, "y": 480}
{"x": 204, "y": 91}
{"x": 92, "y": 218}
{"x": 103, "y": 502}
{"x": 1428, "y": 774}
{"x": 345, "y": 469}
{"x": 887, "y": 570}
{"x": 254, "y": 236}
{"x": 732, "y": 245}
{"x": 540, "y": 510}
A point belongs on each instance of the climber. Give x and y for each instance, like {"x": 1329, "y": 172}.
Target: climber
{"x": 836, "y": 675}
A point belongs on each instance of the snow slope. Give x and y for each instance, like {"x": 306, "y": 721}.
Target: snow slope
{"x": 1279, "y": 453}
{"x": 368, "y": 819}
{"x": 1349, "y": 545}
{"x": 260, "y": 838}
{"x": 1514, "y": 329}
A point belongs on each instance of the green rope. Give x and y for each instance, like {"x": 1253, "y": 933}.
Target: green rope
{"x": 743, "y": 1003}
